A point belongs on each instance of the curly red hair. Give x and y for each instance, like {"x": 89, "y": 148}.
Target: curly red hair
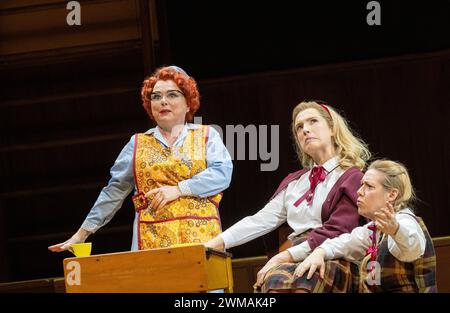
{"x": 186, "y": 83}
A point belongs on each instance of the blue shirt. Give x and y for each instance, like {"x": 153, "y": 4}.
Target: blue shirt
{"x": 214, "y": 179}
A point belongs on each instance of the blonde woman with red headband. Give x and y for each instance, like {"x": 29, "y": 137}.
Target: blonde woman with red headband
{"x": 318, "y": 202}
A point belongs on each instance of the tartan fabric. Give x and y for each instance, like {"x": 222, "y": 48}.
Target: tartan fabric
{"x": 343, "y": 276}
{"x": 425, "y": 267}
{"x": 338, "y": 278}
{"x": 397, "y": 276}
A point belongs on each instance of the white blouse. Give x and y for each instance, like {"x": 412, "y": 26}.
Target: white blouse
{"x": 281, "y": 209}
{"x": 407, "y": 245}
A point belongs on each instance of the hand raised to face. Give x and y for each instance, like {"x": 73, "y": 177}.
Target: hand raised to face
{"x": 385, "y": 220}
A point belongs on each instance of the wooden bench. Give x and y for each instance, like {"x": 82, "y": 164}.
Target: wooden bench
{"x": 442, "y": 248}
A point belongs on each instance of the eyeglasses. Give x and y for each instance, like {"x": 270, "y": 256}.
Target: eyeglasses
{"x": 171, "y": 95}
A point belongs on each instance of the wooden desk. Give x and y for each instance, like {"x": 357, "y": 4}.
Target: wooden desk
{"x": 187, "y": 268}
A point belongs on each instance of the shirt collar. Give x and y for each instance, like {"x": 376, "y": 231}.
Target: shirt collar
{"x": 331, "y": 164}
{"x": 155, "y": 131}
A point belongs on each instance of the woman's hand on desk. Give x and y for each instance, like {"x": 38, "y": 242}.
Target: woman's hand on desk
{"x": 79, "y": 237}
{"x": 216, "y": 243}
{"x": 163, "y": 195}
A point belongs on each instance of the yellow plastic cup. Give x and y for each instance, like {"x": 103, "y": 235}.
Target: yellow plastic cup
{"x": 81, "y": 249}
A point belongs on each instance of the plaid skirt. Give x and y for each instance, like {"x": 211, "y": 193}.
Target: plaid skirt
{"x": 340, "y": 276}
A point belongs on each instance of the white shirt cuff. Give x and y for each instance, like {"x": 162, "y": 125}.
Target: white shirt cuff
{"x": 184, "y": 188}
{"x": 90, "y": 227}
{"x": 328, "y": 250}
{"x": 300, "y": 252}
{"x": 227, "y": 239}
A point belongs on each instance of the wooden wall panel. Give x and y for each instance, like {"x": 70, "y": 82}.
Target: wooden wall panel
{"x": 69, "y": 94}
{"x": 29, "y": 27}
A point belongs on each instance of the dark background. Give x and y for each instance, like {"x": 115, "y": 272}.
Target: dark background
{"x": 227, "y": 38}
{"x": 66, "y": 114}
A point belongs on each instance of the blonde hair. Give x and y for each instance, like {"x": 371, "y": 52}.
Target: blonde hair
{"x": 352, "y": 150}
{"x": 396, "y": 177}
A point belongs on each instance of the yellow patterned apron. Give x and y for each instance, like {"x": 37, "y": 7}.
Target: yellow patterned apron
{"x": 188, "y": 219}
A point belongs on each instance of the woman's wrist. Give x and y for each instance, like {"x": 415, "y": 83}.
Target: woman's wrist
{"x": 320, "y": 251}
{"x": 216, "y": 243}
{"x": 82, "y": 234}
{"x": 184, "y": 188}
{"x": 284, "y": 257}
{"x": 179, "y": 193}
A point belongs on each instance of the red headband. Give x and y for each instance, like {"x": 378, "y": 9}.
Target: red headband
{"x": 325, "y": 108}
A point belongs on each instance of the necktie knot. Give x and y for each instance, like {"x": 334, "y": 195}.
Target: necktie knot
{"x": 316, "y": 176}
{"x": 372, "y": 227}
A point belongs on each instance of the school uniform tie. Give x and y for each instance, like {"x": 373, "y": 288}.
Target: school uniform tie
{"x": 316, "y": 176}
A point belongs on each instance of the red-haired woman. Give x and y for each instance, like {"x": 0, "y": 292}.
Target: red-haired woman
{"x": 177, "y": 171}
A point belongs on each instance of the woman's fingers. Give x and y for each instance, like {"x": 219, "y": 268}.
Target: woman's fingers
{"x": 161, "y": 204}
{"x": 151, "y": 192}
{"x": 159, "y": 201}
{"x": 262, "y": 273}
{"x": 155, "y": 193}
{"x": 380, "y": 223}
{"x": 381, "y": 219}
{"x": 380, "y": 215}
{"x": 390, "y": 207}
{"x": 259, "y": 277}
{"x": 56, "y": 248}
{"x": 66, "y": 246}
{"x": 312, "y": 269}
{"x": 59, "y": 247}
{"x": 322, "y": 271}
{"x": 258, "y": 280}
{"x": 162, "y": 195}
{"x": 390, "y": 215}
{"x": 388, "y": 212}
{"x": 156, "y": 199}
{"x": 301, "y": 269}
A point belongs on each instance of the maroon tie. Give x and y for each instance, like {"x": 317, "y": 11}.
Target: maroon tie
{"x": 373, "y": 250}
{"x": 316, "y": 176}
{"x": 373, "y": 237}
